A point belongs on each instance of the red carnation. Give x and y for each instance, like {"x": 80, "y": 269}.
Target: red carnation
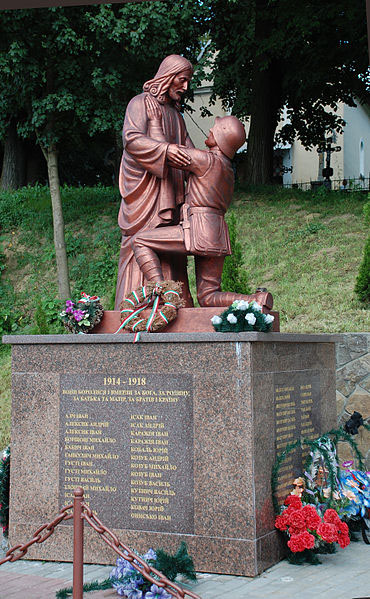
{"x": 343, "y": 540}
{"x": 281, "y": 522}
{"x": 328, "y": 532}
{"x": 297, "y": 519}
{"x": 295, "y": 544}
{"x": 331, "y": 516}
{"x": 308, "y": 540}
{"x": 300, "y": 542}
{"x": 343, "y": 528}
{"x": 312, "y": 517}
{"x": 293, "y": 501}
{"x": 343, "y": 536}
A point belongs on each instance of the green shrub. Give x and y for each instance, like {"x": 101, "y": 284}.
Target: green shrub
{"x": 362, "y": 287}
{"x": 234, "y": 276}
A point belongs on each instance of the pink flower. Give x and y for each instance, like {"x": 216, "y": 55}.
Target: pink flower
{"x": 78, "y": 315}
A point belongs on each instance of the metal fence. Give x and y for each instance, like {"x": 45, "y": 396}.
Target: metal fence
{"x": 357, "y": 184}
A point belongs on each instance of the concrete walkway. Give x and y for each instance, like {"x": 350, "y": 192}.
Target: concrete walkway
{"x": 344, "y": 575}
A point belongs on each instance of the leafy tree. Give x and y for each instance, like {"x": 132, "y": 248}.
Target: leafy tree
{"x": 66, "y": 68}
{"x": 307, "y": 56}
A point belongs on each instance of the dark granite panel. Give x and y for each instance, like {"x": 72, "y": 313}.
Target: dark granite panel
{"x": 277, "y": 357}
{"x": 263, "y": 450}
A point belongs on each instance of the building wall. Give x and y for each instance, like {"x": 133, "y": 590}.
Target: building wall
{"x": 356, "y": 130}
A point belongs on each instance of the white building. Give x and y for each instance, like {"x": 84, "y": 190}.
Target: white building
{"x": 352, "y": 162}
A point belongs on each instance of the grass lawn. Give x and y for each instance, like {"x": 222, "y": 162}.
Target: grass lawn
{"x": 305, "y": 248}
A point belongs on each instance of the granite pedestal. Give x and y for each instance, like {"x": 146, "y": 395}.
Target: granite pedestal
{"x": 172, "y": 438}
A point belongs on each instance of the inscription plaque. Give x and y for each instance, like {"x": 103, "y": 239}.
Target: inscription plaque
{"x": 297, "y": 401}
{"x": 127, "y": 439}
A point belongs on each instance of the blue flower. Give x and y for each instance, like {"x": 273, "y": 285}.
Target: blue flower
{"x": 157, "y": 593}
{"x": 132, "y": 592}
{"x": 150, "y": 555}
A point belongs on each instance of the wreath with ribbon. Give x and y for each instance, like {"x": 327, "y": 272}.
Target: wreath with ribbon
{"x": 163, "y": 298}
{"x": 82, "y": 316}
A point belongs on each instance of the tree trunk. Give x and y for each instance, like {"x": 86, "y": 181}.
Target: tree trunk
{"x": 51, "y": 156}
{"x": 266, "y": 94}
{"x": 13, "y": 171}
{"x": 259, "y": 168}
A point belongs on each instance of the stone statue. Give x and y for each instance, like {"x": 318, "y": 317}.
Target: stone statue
{"x": 202, "y": 230}
{"x": 151, "y": 181}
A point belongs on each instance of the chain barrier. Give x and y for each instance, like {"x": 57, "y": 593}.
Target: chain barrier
{"x": 152, "y": 574}
{"x": 11, "y": 556}
{"x": 137, "y": 562}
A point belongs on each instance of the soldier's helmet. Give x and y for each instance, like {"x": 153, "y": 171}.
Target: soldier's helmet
{"x": 229, "y": 134}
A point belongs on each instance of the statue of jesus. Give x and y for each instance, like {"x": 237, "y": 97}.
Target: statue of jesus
{"x": 151, "y": 181}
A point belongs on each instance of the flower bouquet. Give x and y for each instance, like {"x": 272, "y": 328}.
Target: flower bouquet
{"x": 243, "y": 316}
{"x": 309, "y": 533}
{"x": 84, "y": 315}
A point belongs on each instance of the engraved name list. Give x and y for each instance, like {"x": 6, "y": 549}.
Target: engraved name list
{"x": 127, "y": 439}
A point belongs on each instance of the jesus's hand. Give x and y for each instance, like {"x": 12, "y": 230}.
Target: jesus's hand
{"x": 153, "y": 110}
{"x": 177, "y": 156}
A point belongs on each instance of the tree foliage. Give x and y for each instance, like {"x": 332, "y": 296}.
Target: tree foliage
{"x": 68, "y": 70}
{"x": 63, "y": 68}
{"x": 305, "y": 56}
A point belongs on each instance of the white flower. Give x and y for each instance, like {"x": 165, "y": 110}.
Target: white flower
{"x": 250, "y": 318}
{"x": 243, "y": 305}
{"x": 256, "y": 306}
{"x": 268, "y": 318}
{"x": 216, "y": 319}
{"x": 232, "y": 319}
{"x": 62, "y": 313}
{"x": 235, "y": 304}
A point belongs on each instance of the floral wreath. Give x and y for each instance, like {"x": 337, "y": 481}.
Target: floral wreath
{"x": 163, "y": 298}
{"x": 84, "y": 315}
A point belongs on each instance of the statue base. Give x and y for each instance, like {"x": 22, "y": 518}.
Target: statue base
{"x": 173, "y": 438}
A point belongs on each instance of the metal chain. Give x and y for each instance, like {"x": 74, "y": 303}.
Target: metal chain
{"x": 137, "y": 562}
{"x": 150, "y": 573}
{"x": 11, "y": 556}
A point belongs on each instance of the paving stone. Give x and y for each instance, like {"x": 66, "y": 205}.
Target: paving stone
{"x": 343, "y": 575}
